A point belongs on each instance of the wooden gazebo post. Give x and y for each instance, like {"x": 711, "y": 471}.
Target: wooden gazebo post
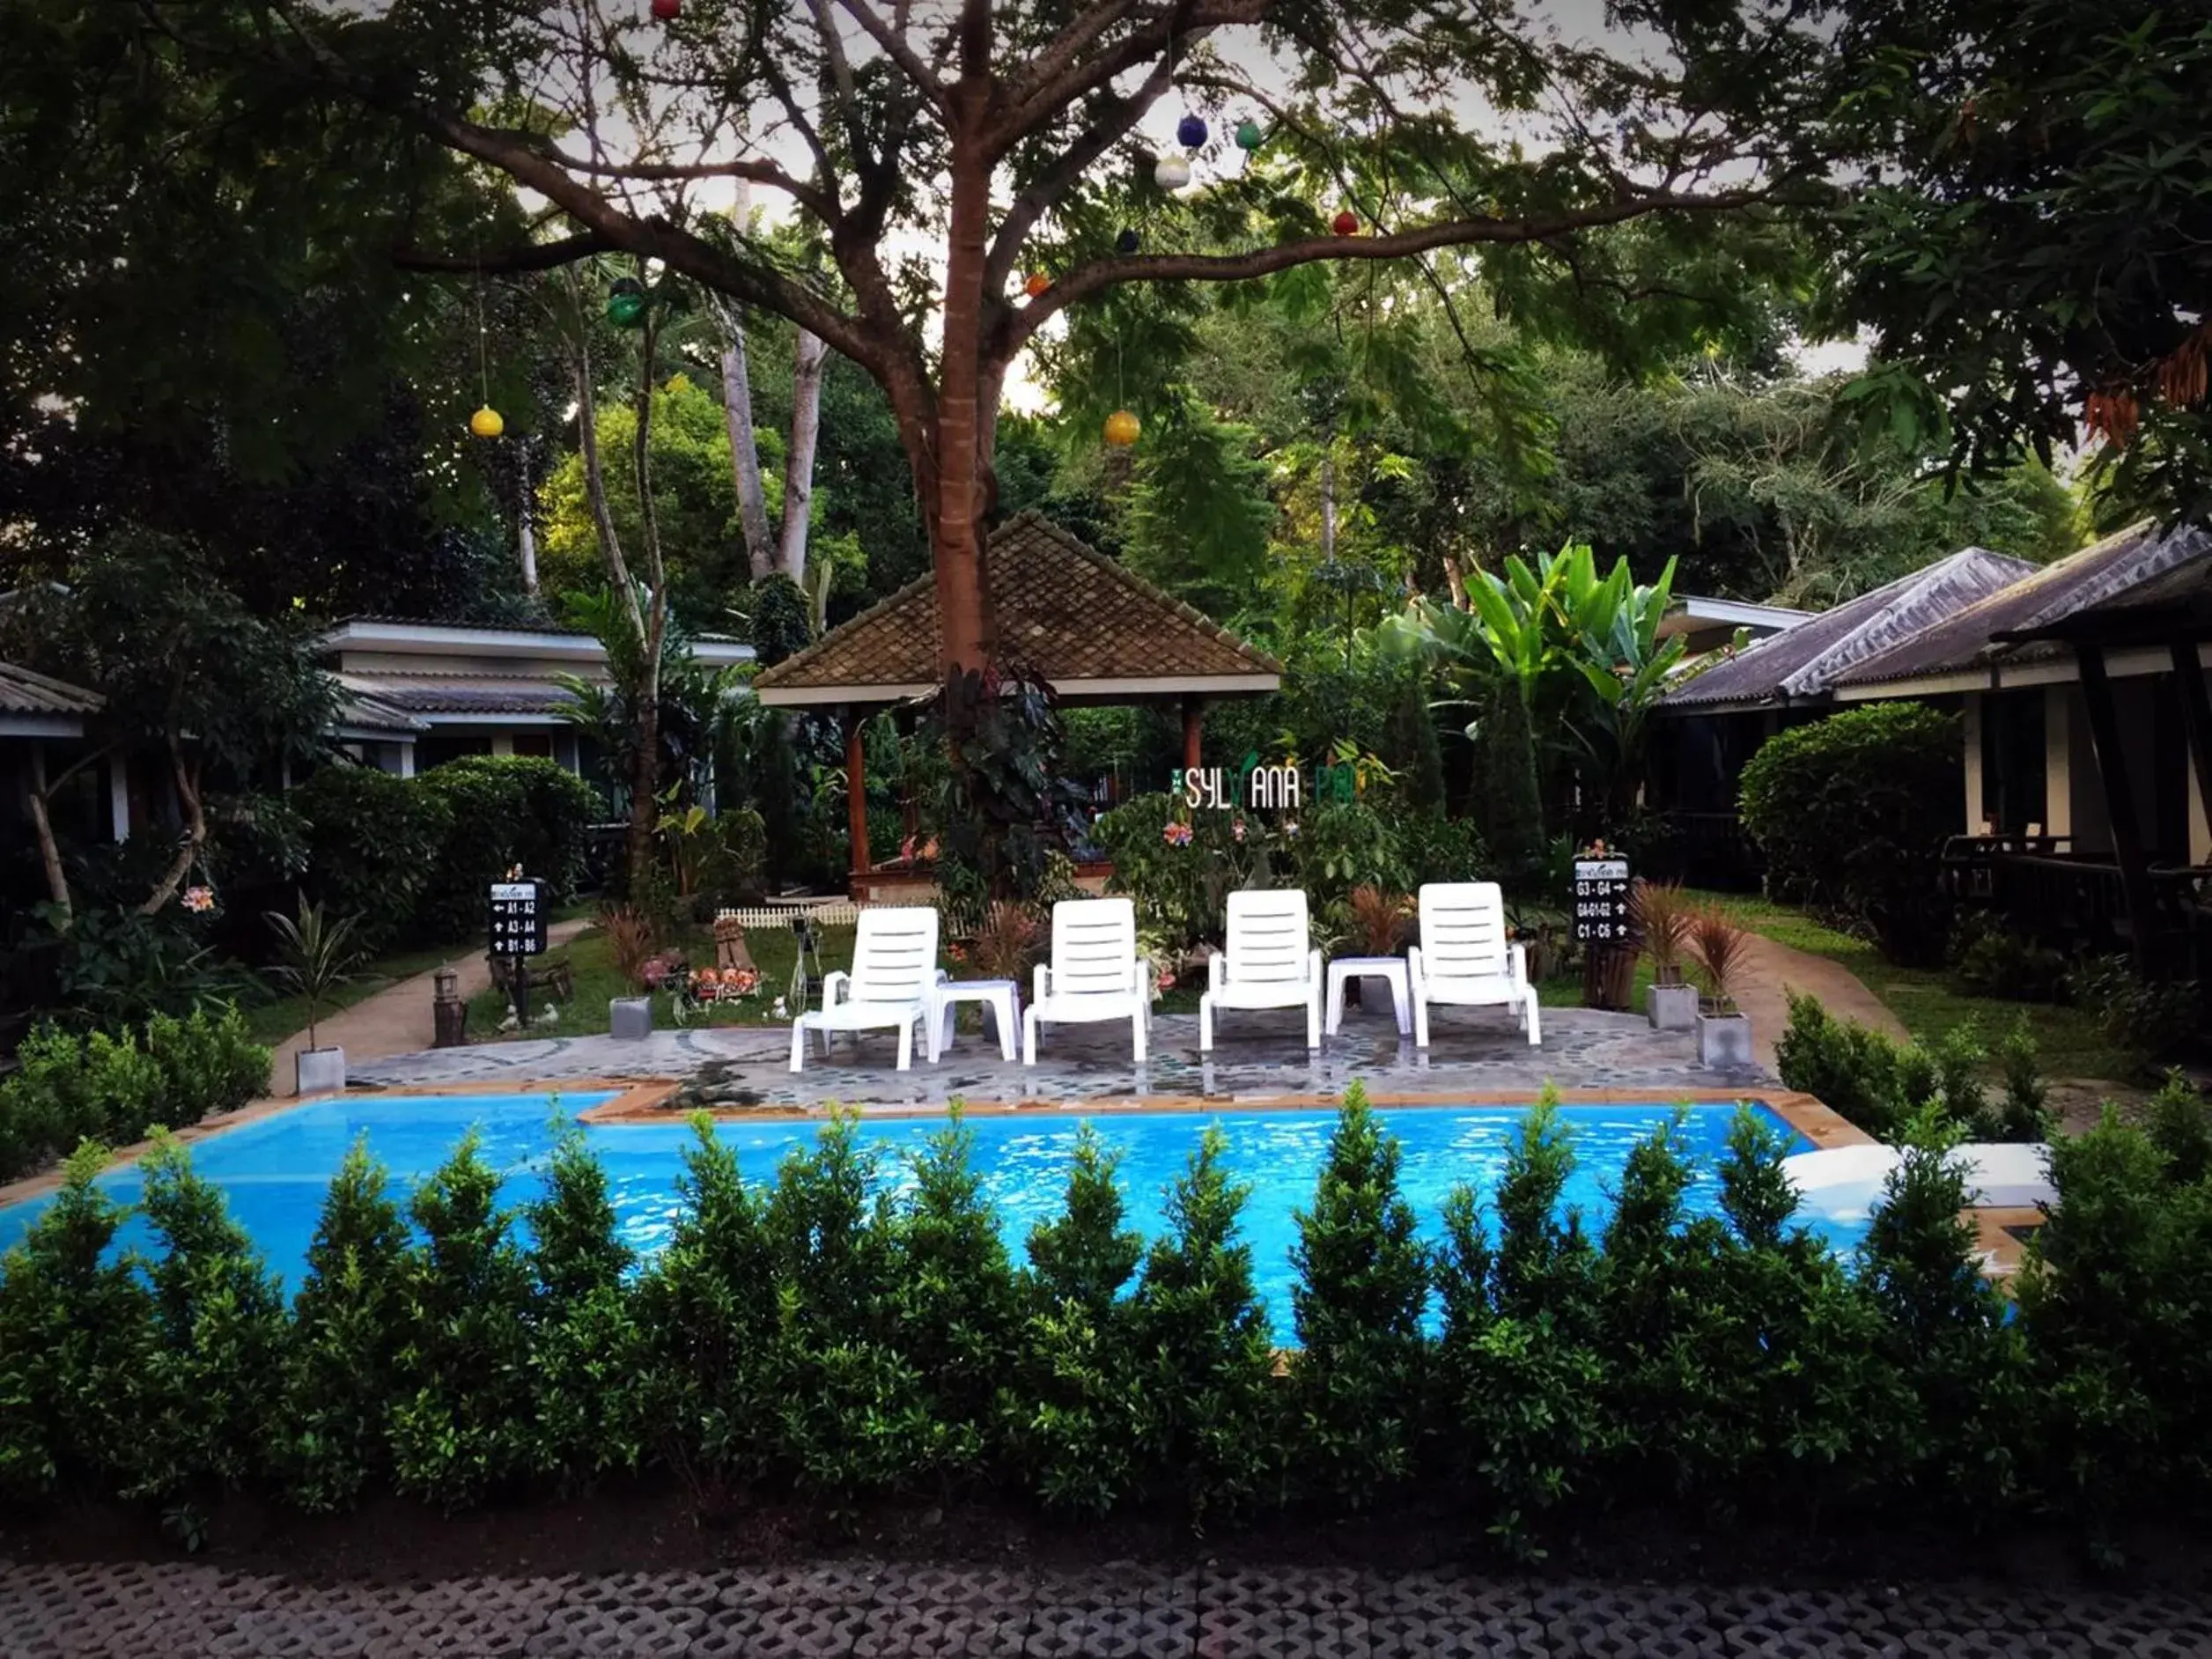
{"x": 1193, "y": 722}
{"x": 856, "y": 792}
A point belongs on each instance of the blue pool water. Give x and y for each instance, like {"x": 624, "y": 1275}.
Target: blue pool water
{"x": 275, "y": 1171}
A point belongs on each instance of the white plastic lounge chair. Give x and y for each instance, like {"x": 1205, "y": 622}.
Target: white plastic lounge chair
{"x": 1094, "y": 974}
{"x": 1269, "y": 964}
{"x": 893, "y": 983}
{"x": 1464, "y": 958}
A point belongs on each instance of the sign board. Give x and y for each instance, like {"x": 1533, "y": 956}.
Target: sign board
{"x": 518, "y": 919}
{"x": 1254, "y": 787}
{"x": 1601, "y": 901}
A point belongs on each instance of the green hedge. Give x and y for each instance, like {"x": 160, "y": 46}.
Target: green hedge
{"x": 114, "y": 1086}
{"x": 374, "y": 843}
{"x": 805, "y": 1336}
{"x": 499, "y": 813}
{"x": 1880, "y": 1084}
{"x": 1851, "y": 813}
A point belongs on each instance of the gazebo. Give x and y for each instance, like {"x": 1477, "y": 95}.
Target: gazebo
{"x": 1087, "y": 628}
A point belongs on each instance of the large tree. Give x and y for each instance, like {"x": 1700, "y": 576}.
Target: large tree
{"x": 935, "y": 154}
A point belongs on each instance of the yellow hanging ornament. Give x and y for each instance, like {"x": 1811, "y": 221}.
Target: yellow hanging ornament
{"x": 1122, "y": 429}
{"x": 485, "y": 423}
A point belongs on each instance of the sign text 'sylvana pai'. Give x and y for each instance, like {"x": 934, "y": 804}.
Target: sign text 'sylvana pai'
{"x": 1262, "y": 788}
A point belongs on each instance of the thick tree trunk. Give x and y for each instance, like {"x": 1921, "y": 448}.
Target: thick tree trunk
{"x": 645, "y": 765}
{"x": 49, "y": 850}
{"x": 737, "y": 411}
{"x": 799, "y": 459}
{"x": 956, "y": 527}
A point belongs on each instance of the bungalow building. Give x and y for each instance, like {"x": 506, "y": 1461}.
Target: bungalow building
{"x": 420, "y": 693}
{"x": 2080, "y": 687}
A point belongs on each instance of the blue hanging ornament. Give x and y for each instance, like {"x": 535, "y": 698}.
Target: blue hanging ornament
{"x": 1127, "y": 242}
{"x": 1191, "y": 132}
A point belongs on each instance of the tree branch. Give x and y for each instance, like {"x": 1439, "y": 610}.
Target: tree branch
{"x": 1188, "y": 22}
{"x": 530, "y": 256}
{"x": 899, "y": 52}
{"x": 1228, "y": 268}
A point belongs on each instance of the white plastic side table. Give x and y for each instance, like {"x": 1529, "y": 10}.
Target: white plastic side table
{"x": 1389, "y": 968}
{"x": 1003, "y": 996}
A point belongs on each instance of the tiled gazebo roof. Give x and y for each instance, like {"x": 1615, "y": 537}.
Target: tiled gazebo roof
{"x": 1070, "y": 615}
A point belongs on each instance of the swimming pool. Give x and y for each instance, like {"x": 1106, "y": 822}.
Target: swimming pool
{"x": 275, "y": 1171}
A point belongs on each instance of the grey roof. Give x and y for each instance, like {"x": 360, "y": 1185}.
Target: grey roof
{"x": 1807, "y": 659}
{"x": 567, "y": 628}
{"x": 364, "y": 711}
{"x": 24, "y": 692}
{"x": 413, "y": 694}
{"x": 1968, "y": 638}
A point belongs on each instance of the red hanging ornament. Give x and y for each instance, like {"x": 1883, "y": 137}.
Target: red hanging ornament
{"x": 1037, "y": 283}
{"x": 667, "y": 10}
{"x": 1345, "y": 223}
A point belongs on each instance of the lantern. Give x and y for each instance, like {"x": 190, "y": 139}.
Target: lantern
{"x": 1249, "y": 135}
{"x": 1171, "y": 172}
{"x": 1191, "y": 132}
{"x": 1127, "y": 242}
{"x": 1122, "y": 429}
{"x": 485, "y": 423}
{"x": 1037, "y": 283}
{"x": 667, "y": 10}
{"x": 1345, "y": 223}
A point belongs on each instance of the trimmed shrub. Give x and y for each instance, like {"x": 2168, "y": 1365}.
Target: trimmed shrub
{"x": 1071, "y": 1416}
{"x": 1505, "y": 785}
{"x": 586, "y": 1345}
{"x": 77, "y": 1335}
{"x": 461, "y": 1424}
{"x": 1361, "y": 1369}
{"x": 1211, "y": 1429}
{"x": 1988, "y": 957}
{"x": 1851, "y": 813}
{"x": 1879, "y": 1084}
{"x": 2118, "y": 1314}
{"x": 499, "y": 813}
{"x": 214, "y": 1377}
{"x": 110, "y": 1088}
{"x": 349, "y": 1325}
{"x": 2150, "y": 1017}
{"x": 373, "y": 843}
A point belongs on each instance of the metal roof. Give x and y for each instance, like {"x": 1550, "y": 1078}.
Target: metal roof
{"x": 25, "y": 692}
{"x": 1695, "y": 613}
{"x": 1971, "y": 637}
{"x": 414, "y": 694}
{"x": 1806, "y": 661}
{"x": 1067, "y": 614}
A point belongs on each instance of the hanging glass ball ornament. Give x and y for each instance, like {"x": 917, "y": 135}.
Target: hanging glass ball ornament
{"x": 1345, "y": 223}
{"x": 1128, "y": 243}
{"x": 626, "y": 302}
{"x": 1249, "y": 135}
{"x": 1171, "y": 172}
{"x": 1122, "y": 429}
{"x": 1191, "y": 132}
{"x": 1037, "y": 283}
{"x": 485, "y": 423}
{"x": 667, "y": 10}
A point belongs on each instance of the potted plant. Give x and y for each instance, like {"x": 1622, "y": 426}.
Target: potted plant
{"x": 315, "y": 956}
{"x": 1716, "y": 952}
{"x": 1662, "y": 917}
{"x": 1380, "y": 919}
{"x": 630, "y": 937}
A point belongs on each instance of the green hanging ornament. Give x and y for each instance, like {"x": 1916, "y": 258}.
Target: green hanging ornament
{"x": 1249, "y": 135}
{"x": 626, "y": 303}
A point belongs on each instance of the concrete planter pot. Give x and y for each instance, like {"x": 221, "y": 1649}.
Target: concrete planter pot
{"x": 1724, "y": 1041}
{"x": 318, "y": 1071}
{"x": 1671, "y": 1007}
{"x": 629, "y": 1019}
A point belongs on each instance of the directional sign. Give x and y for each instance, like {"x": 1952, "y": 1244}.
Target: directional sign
{"x": 1601, "y": 901}
{"x": 518, "y": 919}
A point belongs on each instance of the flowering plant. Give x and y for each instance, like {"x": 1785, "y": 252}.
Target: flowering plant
{"x": 1177, "y": 834}
{"x": 199, "y": 899}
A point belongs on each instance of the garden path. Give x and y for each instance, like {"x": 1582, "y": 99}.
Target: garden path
{"x": 122, "y": 1609}
{"x": 1771, "y": 970}
{"x": 397, "y": 1020}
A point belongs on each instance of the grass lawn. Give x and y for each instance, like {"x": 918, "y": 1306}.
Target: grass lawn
{"x": 273, "y": 1021}
{"x": 1928, "y": 1003}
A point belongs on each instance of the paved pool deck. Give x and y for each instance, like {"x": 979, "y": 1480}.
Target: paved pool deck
{"x": 1473, "y": 1054}
{"x": 848, "y": 1609}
